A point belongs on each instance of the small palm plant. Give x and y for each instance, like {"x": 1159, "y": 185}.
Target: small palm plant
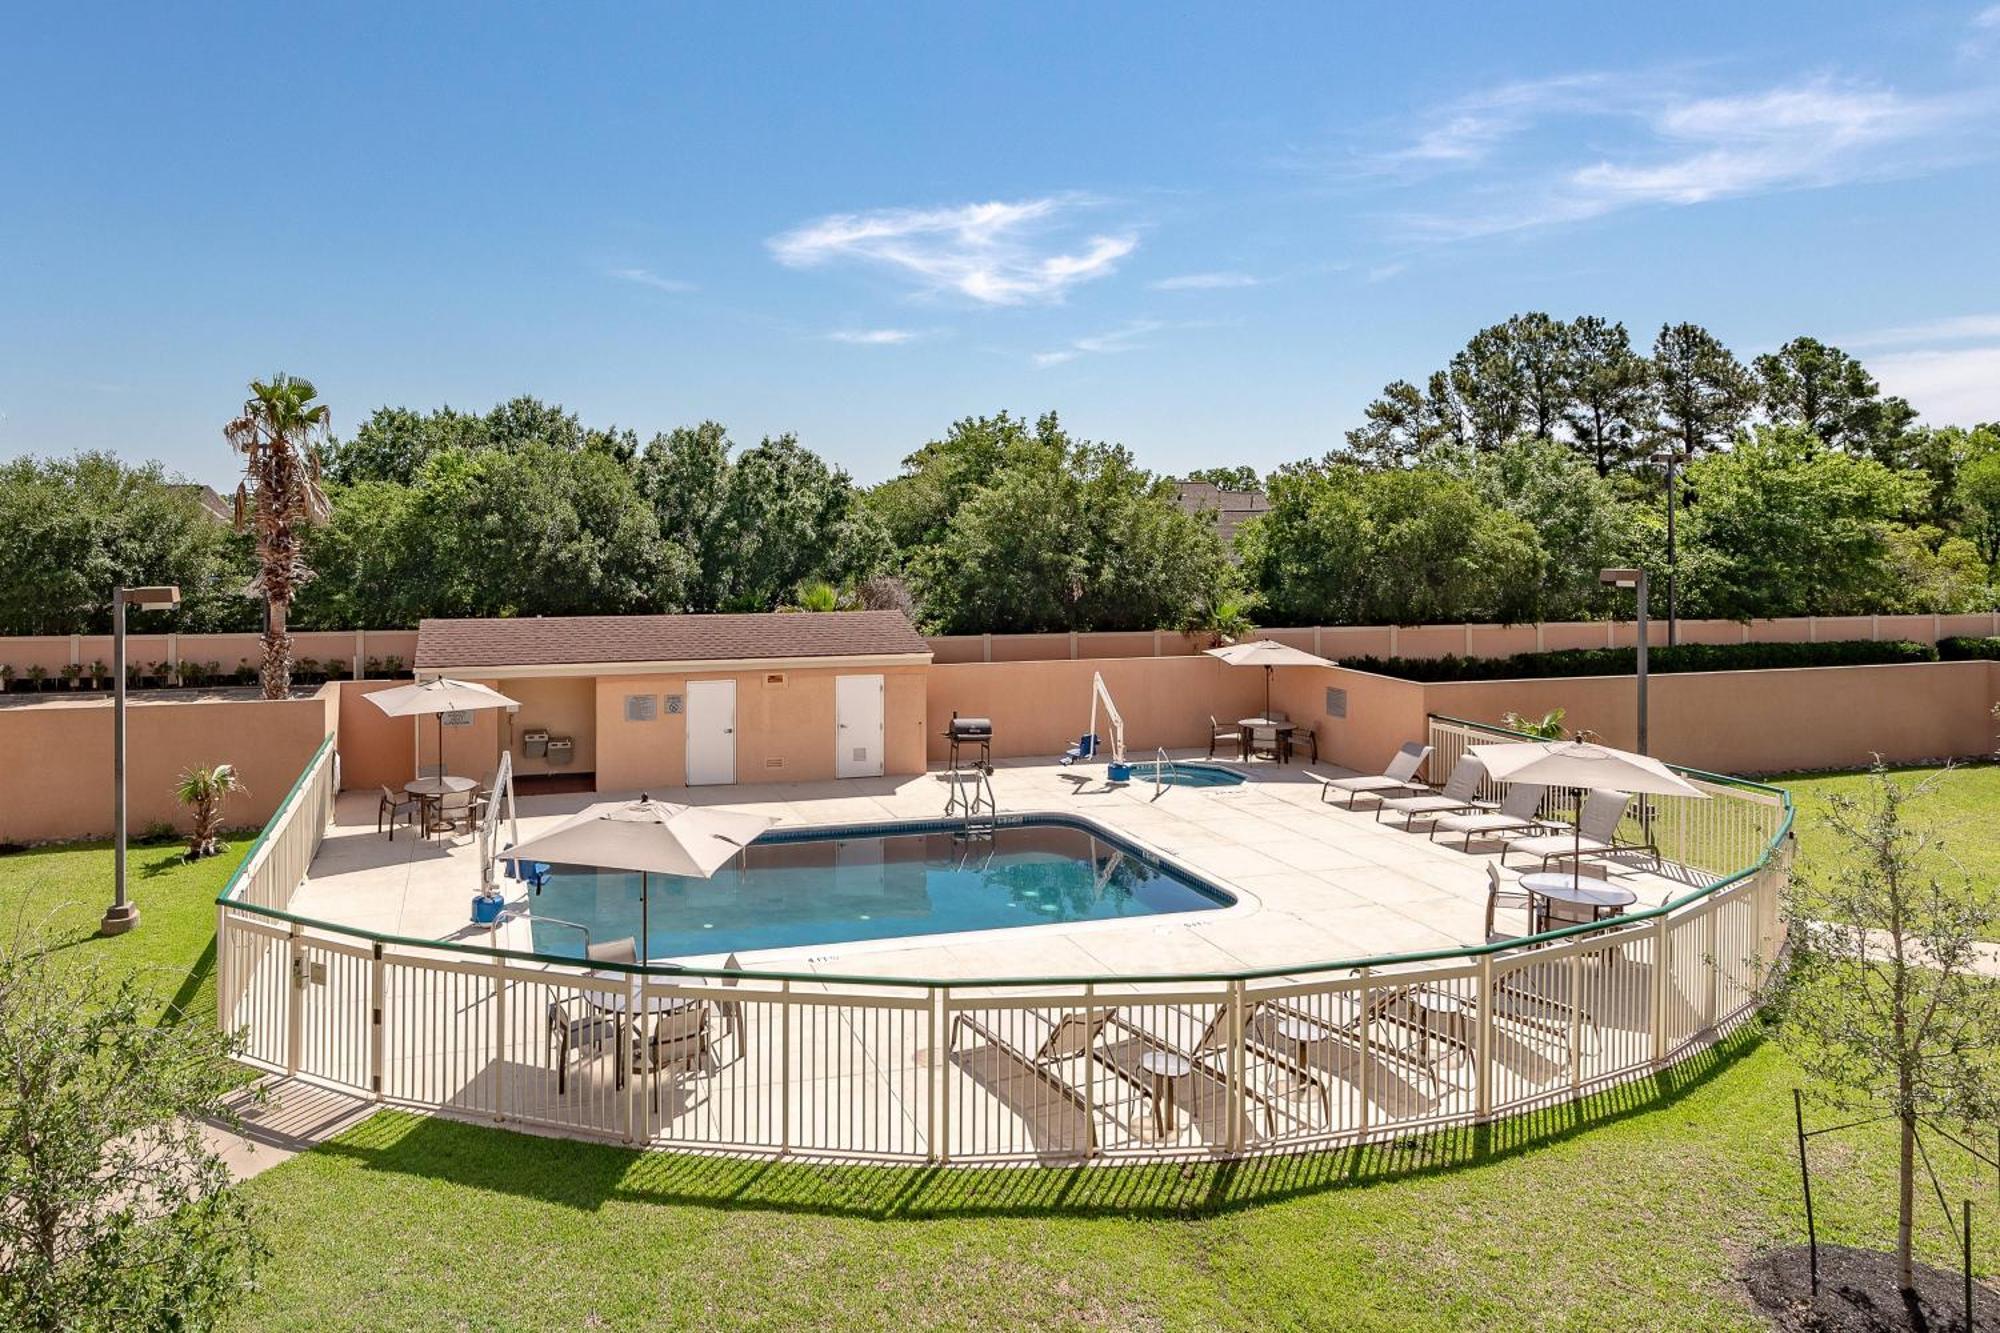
{"x": 279, "y": 435}
{"x": 1549, "y": 726}
{"x": 203, "y": 789}
{"x": 818, "y": 595}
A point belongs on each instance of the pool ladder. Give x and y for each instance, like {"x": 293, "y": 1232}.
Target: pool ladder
{"x": 972, "y": 793}
{"x": 1163, "y": 768}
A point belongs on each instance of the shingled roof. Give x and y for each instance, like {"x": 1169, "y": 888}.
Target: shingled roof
{"x": 451, "y": 645}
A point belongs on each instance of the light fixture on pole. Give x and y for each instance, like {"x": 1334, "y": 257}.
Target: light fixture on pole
{"x": 1669, "y": 459}
{"x": 1636, "y": 580}
{"x": 122, "y": 915}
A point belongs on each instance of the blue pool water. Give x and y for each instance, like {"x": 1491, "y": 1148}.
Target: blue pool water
{"x": 1188, "y": 775}
{"x": 803, "y": 888}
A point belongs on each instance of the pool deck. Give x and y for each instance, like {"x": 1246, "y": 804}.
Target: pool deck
{"x": 1316, "y": 882}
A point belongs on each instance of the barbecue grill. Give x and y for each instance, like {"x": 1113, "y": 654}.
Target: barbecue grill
{"x": 970, "y": 731}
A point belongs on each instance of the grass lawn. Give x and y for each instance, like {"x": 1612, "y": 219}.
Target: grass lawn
{"x": 1965, "y": 804}
{"x": 67, "y": 887}
{"x": 1636, "y": 1222}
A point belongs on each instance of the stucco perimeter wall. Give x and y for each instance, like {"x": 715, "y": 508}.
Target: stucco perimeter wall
{"x": 57, "y": 782}
{"x": 1040, "y": 708}
{"x": 1764, "y": 721}
{"x": 1381, "y": 714}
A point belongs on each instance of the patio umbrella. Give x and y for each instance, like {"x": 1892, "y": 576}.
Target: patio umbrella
{"x": 1269, "y": 654}
{"x": 649, "y": 836}
{"x": 438, "y": 697}
{"x": 1584, "y": 766}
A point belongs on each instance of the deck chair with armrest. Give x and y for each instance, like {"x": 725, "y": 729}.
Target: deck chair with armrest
{"x": 1498, "y": 895}
{"x": 1516, "y": 814}
{"x": 390, "y": 806}
{"x": 1217, "y": 734}
{"x": 574, "y": 1023}
{"x": 1596, "y": 833}
{"x": 1055, "y": 1042}
{"x": 1460, "y": 792}
{"x": 1399, "y": 775}
{"x": 1208, "y": 1057}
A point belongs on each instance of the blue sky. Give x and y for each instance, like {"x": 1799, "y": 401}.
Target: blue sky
{"x": 1209, "y": 233}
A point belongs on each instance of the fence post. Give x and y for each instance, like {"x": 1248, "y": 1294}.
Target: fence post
{"x": 1089, "y": 1079}
{"x": 1392, "y": 640}
{"x": 295, "y": 1010}
{"x": 785, "y": 1069}
{"x": 1662, "y": 965}
{"x": 1367, "y": 1056}
{"x": 1711, "y": 989}
{"x": 377, "y": 993}
{"x": 1238, "y": 1034}
{"x": 933, "y": 1080}
{"x": 1575, "y": 1021}
{"x": 941, "y": 1058}
{"x": 360, "y": 654}
{"x": 1073, "y": 654}
{"x": 1483, "y": 1066}
{"x": 986, "y": 647}
{"x": 499, "y": 1061}
{"x": 222, "y": 978}
{"x": 629, "y": 1037}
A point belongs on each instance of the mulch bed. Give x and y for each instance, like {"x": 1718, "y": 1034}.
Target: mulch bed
{"x": 1858, "y": 1294}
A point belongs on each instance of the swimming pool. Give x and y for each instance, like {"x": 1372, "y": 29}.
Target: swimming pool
{"x": 1179, "y": 774}
{"x": 810, "y": 886}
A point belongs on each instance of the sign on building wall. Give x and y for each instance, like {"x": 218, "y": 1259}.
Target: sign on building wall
{"x": 641, "y": 708}
{"x": 674, "y": 706}
{"x": 459, "y": 717}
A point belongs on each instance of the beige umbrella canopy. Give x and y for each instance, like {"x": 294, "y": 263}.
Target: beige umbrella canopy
{"x": 1585, "y": 766}
{"x": 438, "y": 697}
{"x": 1269, "y": 654}
{"x": 649, "y": 836}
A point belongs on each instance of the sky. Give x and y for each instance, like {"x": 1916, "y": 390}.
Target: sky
{"x": 1211, "y": 233}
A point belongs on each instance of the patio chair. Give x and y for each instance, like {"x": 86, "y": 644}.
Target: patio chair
{"x": 624, "y": 949}
{"x": 454, "y": 808}
{"x": 1085, "y": 748}
{"x": 1217, "y": 734}
{"x": 679, "y": 1042}
{"x": 1301, "y": 736}
{"x": 1498, "y": 895}
{"x": 1208, "y": 1058}
{"x": 430, "y": 770}
{"x": 1516, "y": 813}
{"x": 1061, "y": 1040}
{"x": 390, "y": 806}
{"x": 1596, "y": 833}
{"x": 572, "y": 1024}
{"x": 1400, "y": 775}
{"x": 1460, "y": 792}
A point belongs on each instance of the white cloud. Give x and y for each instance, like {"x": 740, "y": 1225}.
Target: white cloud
{"x": 1982, "y": 35}
{"x": 1384, "y": 272}
{"x": 1127, "y": 338}
{"x": 1468, "y": 130}
{"x": 1674, "y": 147}
{"x": 1204, "y": 282}
{"x": 1953, "y": 328}
{"x": 874, "y": 337}
{"x": 1950, "y": 386}
{"x": 993, "y": 253}
{"x": 645, "y": 277}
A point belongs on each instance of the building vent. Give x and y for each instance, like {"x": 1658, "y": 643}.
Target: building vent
{"x": 774, "y": 680}
{"x": 1336, "y": 702}
{"x": 774, "y": 763}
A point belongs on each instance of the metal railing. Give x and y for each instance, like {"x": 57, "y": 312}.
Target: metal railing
{"x": 948, "y": 1070}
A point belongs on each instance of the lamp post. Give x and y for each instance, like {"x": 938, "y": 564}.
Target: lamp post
{"x": 1636, "y": 580}
{"x": 1670, "y": 459}
{"x": 122, "y": 915}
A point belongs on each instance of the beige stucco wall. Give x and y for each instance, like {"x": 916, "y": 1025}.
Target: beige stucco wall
{"x": 1042, "y": 707}
{"x": 559, "y": 705}
{"x": 1382, "y": 713}
{"x": 1764, "y": 721}
{"x": 57, "y": 784}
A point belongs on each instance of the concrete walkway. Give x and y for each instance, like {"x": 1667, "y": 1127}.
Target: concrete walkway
{"x": 292, "y": 1118}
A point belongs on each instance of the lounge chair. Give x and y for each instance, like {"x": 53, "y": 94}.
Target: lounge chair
{"x": 1596, "y": 833}
{"x": 1461, "y": 792}
{"x": 390, "y": 806}
{"x": 1516, "y": 814}
{"x": 1400, "y": 775}
{"x": 1217, "y": 733}
{"x": 1085, "y": 748}
{"x": 1072, "y": 1036}
{"x": 1208, "y": 1058}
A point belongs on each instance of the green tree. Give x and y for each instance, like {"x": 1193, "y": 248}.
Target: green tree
{"x": 278, "y": 434}
{"x": 1704, "y": 394}
{"x": 916, "y": 506}
{"x": 1883, "y": 1005}
{"x": 73, "y": 529}
{"x": 1828, "y": 393}
{"x": 1398, "y": 428}
{"x": 1978, "y": 491}
{"x": 395, "y": 442}
{"x": 1578, "y": 523}
{"x": 1240, "y": 478}
{"x": 1610, "y": 393}
{"x": 684, "y": 475}
{"x": 117, "y": 1213}
{"x": 1784, "y": 528}
{"x": 1486, "y": 380}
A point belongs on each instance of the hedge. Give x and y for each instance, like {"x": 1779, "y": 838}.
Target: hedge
{"x": 1969, "y": 649}
{"x": 1663, "y": 660}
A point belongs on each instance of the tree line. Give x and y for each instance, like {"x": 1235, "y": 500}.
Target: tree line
{"x": 1495, "y": 492}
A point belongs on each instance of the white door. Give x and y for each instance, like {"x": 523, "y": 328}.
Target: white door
{"x": 711, "y": 732}
{"x": 857, "y": 726}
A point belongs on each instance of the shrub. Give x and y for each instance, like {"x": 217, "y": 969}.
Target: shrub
{"x": 1659, "y": 661}
{"x": 1970, "y": 649}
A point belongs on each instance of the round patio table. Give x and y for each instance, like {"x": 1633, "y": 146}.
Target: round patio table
{"x": 1247, "y": 727}
{"x": 1300, "y": 1032}
{"x": 1165, "y": 1067}
{"x": 1578, "y": 889}
{"x": 430, "y": 791}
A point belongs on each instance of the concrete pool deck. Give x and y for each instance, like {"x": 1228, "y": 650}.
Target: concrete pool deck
{"x": 1316, "y": 882}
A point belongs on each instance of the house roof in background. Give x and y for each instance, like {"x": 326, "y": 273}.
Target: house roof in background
{"x": 450, "y": 645}
{"x": 1231, "y": 509}
{"x": 211, "y": 501}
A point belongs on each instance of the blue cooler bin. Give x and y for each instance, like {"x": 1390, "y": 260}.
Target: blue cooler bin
{"x": 485, "y": 910}
{"x": 1118, "y": 772}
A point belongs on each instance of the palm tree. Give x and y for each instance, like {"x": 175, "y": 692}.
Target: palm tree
{"x": 202, "y": 789}
{"x": 279, "y": 435}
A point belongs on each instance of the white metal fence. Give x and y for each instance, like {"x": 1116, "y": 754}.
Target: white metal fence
{"x": 981, "y": 1071}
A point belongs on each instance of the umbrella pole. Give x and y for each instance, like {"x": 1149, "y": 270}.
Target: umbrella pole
{"x": 645, "y": 929}
{"x": 1267, "y": 692}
